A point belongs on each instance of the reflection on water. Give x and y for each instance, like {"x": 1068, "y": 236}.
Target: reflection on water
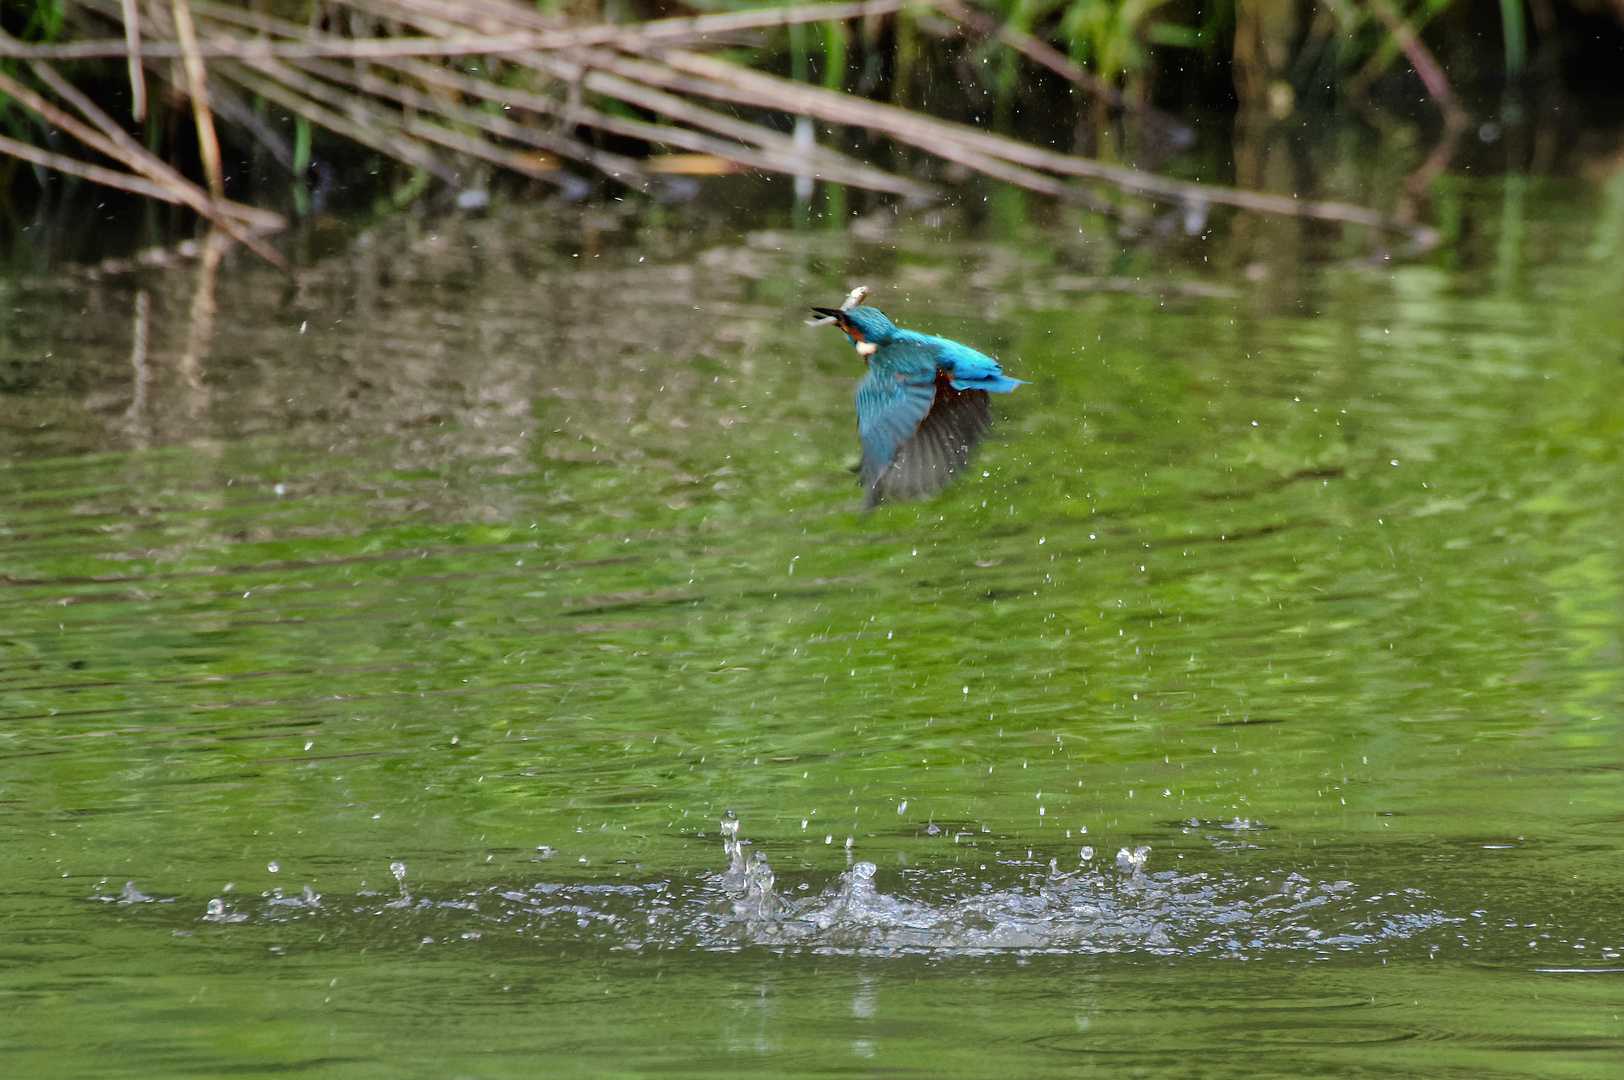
{"x": 411, "y": 624}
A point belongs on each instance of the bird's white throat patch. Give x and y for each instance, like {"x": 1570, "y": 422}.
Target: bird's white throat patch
{"x": 867, "y": 348}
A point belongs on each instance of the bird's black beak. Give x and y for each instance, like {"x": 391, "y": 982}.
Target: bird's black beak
{"x": 829, "y": 315}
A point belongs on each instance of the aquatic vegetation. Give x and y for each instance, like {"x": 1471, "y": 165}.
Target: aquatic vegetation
{"x": 1112, "y": 38}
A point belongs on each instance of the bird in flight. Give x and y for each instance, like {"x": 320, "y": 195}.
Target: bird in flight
{"x": 921, "y": 405}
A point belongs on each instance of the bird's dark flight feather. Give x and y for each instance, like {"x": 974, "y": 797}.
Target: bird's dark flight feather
{"x": 938, "y": 448}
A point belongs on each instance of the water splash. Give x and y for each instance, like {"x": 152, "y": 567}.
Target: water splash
{"x": 733, "y": 878}
{"x": 307, "y": 898}
{"x": 1133, "y": 861}
{"x": 217, "y": 912}
{"x": 130, "y": 895}
{"x": 398, "y": 869}
{"x": 1125, "y": 907}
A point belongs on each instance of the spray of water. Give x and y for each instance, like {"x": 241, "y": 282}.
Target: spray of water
{"x": 1090, "y": 908}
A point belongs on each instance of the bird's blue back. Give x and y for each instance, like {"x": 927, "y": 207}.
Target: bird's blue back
{"x": 966, "y": 368}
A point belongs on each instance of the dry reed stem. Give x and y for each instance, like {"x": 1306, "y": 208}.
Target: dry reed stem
{"x": 768, "y": 160}
{"x": 208, "y": 144}
{"x": 482, "y": 16}
{"x": 94, "y": 173}
{"x": 132, "y": 41}
{"x": 730, "y": 82}
{"x": 230, "y": 217}
{"x": 623, "y": 168}
{"x": 786, "y": 96}
{"x": 777, "y": 152}
{"x": 368, "y": 124}
{"x": 127, "y": 150}
{"x": 824, "y": 162}
{"x": 636, "y": 39}
{"x": 595, "y": 59}
{"x": 996, "y": 155}
{"x": 200, "y": 331}
{"x": 787, "y": 157}
{"x": 616, "y": 165}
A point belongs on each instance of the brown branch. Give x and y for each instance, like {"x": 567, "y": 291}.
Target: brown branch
{"x": 300, "y": 85}
{"x": 200, "y": 332}
{"x": 632, "y": 39}
{"x": 595, "y": 58}
{"x": 723, "y": 81}
{"x": 775, "y": 159}
{"x": 612, "y": 164}
{"x": 787, "y": 157}
{"x": 770, "y": 159}
{"x": 776, "y": 153}
{"x": 727, "y": 82}
{"x": 94, "y": 173}
{"x": 1437, "y": 161}
{"x": 615, "y": 165}
{"x": 138, "y": 361}
{"x": 636, "y": 72}
{"x": 293, "y": 91}
{"x": 1032, "y": 48}
{"x": 208, "y": 144}
{"x": 787, "y": 96}
{"x": 704, "y": 25}
{"x": 123, "y": 149}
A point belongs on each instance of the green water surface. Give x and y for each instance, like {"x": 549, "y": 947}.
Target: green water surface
{"x": 517, "y": 552}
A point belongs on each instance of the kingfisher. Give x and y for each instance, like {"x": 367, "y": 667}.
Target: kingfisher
{"x": 922, "y": 405}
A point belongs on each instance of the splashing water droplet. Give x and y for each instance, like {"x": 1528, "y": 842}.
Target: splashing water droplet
{"x": 217, "y": 913}
{"x": 398, "y": 869}
{"x": 733, "y": 878}
{"x": 1133, "y": 861}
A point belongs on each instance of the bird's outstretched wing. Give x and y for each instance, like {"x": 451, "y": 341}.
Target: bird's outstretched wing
{"x": 938, "y": 448}
{"x": 916, "y": 426}
{"x": 892, "y": 398}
